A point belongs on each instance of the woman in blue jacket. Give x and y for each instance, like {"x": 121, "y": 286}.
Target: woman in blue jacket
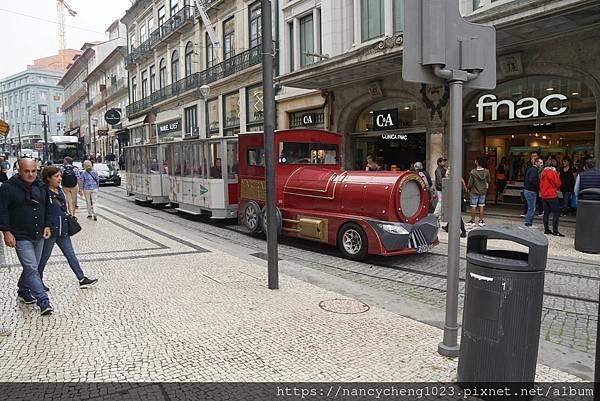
{"x": 60, "y": 228}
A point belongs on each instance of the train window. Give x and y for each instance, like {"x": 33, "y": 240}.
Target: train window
{"x": 188, "y": 159}
{"x": 256, "y": 157}
{"x": 144, "y": 161}
{"x": 307, "y": 153}
{"x": 177, "y": 156}
{"x": 198, "y": 150}
{"x": 214, "y": 161}
{"x": 153, "y": 157}
{"x": 137, "y": 161}
{"x": 232, "y": 159}
{"x": 163, "y": 154}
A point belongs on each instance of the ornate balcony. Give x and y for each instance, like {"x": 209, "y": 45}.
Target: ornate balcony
{"x": 173, "y": 24}
{"x": 231, "y": 66}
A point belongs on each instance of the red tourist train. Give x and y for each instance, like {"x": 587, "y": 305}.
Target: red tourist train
{"x": 380, "y": 213}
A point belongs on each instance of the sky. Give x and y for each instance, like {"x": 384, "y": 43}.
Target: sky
{"x": 24, "y": 39}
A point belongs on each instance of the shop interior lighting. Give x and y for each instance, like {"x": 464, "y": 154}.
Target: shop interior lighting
{"x": 544, "y": 137}
{"x": 537, "y": 135}
{"x": 550, "y": 89}
{"x": 575, "y": 94}
{"x": 512, "y": 136}
{"x": 473, "y": 116}
{"x": 407, "y": 108}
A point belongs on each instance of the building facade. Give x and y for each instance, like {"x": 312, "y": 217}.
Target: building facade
{"x": 342, "y": 60}
{"x": 22, "y": 96}
{"x": 181, "y": 85}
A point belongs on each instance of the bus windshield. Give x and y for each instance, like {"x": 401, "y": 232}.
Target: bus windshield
{"x": 58, "y": 150}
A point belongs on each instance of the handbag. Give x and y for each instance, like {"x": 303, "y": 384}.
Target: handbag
{"x": 74, "y": 226}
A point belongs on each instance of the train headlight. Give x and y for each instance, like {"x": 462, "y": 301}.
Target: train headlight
{"x": 393, "y": 229}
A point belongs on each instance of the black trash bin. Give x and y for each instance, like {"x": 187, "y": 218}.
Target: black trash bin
{"x": 588, "y": 221}
{"x": 502, "y": 307}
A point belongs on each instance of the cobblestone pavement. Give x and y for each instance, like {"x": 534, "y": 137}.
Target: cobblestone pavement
{"x": 570, "y": 303}
{"x": 171, "y": 308}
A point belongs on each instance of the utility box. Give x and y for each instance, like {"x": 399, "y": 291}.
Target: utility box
{"x": 588, "y": 221}
{"x": 502, "y": 306}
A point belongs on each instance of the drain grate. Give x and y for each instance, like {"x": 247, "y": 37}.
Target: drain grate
{"x": 344, "y": 306}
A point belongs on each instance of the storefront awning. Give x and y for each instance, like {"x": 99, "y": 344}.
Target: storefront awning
{"x": 167, "y": 115}
{"x": 136, "y": 122}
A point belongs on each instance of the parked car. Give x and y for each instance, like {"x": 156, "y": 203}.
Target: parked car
{"x": 107, "y": 174}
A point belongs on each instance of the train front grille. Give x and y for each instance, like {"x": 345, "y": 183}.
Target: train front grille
{"x": 417, "y": 239}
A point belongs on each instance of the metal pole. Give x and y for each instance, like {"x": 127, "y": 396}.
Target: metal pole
{"x": 45, "y": 138}
{"x": 95, "y": 154}
{"x": 19, "y": 132}
{"x": 269, "y": 133}
{"x": 449, "y": 347}
{"x": 597, "y": 366}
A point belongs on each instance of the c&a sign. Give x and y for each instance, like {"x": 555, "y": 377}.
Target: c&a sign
{"x": 385, "y": 119}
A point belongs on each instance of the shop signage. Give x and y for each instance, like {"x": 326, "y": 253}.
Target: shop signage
{"x": 397, "y": 137}
{"x": 528, "y": 107}
{"x": 102, "y": 132}
{"x": 73, "y": 132}
{"x": 169, "y": 126}
{"x": 113, "y": 116}
{"x": 309, "y": 118}
{"x": 385, "y": 119}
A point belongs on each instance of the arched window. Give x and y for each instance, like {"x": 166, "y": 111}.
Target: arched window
{"x": 174, "y": 66}
{"x": 162, "y": 73}
{"x": 189, "y": 52}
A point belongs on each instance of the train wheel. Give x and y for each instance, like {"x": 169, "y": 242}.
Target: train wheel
{"x": 251, "y": 218}
{"x": 263, "y": 218}
{"x": 352, "y": 242}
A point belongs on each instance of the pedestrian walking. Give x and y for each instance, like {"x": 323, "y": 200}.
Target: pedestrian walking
{"x": 589, "y": 178}
{"x": 440, "y": 173}
{"x": 58, "y": 213}
{"x": 549, "y": 186}
{"x": 501, "y": 177}
{"x": 567, "y": 183}
{"x": 89, "y": 188}
{"x": 531, "y": 187}
{"x": 3, "y": 175}
{"x": 479, "y": 182}
{"x": 533, "y": 156}
{"x": 371, "y": 165}
{"x": 25, "y": 224}
{"x": 70, "y": 176}
{"x": 5, "y": 164}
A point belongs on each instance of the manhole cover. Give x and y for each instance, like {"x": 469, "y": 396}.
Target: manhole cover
{"x": 344, "y": 306}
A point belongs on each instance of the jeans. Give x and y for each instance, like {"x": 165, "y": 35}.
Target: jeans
{"x": 30, "y": 282}
{"x": 531, "y": 198}
{"x": 566, "y": 200}
{"x": 90, "y": 201}
{"x": 438, "y": 207}
{"x": 551, "y": 205}
{"x": 65, "y": 245}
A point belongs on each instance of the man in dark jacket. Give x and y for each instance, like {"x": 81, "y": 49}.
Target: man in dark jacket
{"x": 25, "y": 224}
{"x": 590, "y": 178}
{"x": 531, "y": 187}
{"x": 440, "y": 173}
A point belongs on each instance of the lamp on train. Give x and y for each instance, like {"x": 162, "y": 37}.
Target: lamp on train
{"x": 204, "y": 91}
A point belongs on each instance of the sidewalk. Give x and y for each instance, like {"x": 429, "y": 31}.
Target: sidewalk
{"x": 166, "y": 309}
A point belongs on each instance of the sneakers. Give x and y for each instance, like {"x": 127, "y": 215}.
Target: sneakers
{"x": 89, "y": 217}
{"x": 523, "y": 215}
{"x": 26, "y": 299}
{"x": 46, "y": 288}
{"x": 547, "y": 232}
{"x": 540, "y": 214}
{"x": 87, "y": 282}
{"x": 471, "y": 223}
{"x": 481, "y": 223}
{"x": 558, "y": 234}
{"x": 95, "y": 218}
{"x": 46, "y": 309}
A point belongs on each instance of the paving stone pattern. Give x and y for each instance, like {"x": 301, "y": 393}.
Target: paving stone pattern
{"x": 166, "y": 311}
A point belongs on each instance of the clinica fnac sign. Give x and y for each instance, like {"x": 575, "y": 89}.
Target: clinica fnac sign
{"x": 527, "y": 107}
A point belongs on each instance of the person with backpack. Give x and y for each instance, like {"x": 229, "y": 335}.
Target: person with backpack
{"x": 70, "y": 183}
{"x": 89, "y": 188}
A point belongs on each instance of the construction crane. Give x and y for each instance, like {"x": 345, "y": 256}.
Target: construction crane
{"x": 61, "y": 6}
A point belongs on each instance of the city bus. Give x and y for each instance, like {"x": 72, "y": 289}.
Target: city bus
{"x": 61, "y": 146}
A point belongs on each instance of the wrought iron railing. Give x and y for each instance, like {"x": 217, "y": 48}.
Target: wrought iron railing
{"x": 235, "y": 64}
{"x": 187, "y": 13}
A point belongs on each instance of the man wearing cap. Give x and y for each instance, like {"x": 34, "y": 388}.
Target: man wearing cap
{"x": 440, "y": 173}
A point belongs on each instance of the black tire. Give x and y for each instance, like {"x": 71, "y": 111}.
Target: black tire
{"x": 352, "y": 242}
{"x": 118, "y": 183}
{"x": 263, "y": 220}
{"x": 251, "y": 217}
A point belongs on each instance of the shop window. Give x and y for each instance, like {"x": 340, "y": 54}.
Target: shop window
{"x": 307, "y": 40}
{"x": 307, "y": 153}
{"x": 255, "y": 24}
{"x": 231, "y": 113}
{"x": 212, "y": 114}
{"x": 372, "y": 19}
{"x": 254, "y": 108}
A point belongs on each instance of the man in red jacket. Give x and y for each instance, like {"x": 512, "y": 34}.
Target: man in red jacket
{"x": 549, "y": 185}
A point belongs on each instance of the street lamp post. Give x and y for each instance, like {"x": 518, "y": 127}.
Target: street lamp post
{"x": 94, "y": 123}
{"x": 43, "y": 110}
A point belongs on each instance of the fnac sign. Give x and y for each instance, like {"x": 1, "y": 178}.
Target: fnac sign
{"x": 527, "y": 107}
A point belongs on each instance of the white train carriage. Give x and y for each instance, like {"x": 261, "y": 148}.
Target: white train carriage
{"x": 147, "y": 178}
{"x": 203, "y": 176}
